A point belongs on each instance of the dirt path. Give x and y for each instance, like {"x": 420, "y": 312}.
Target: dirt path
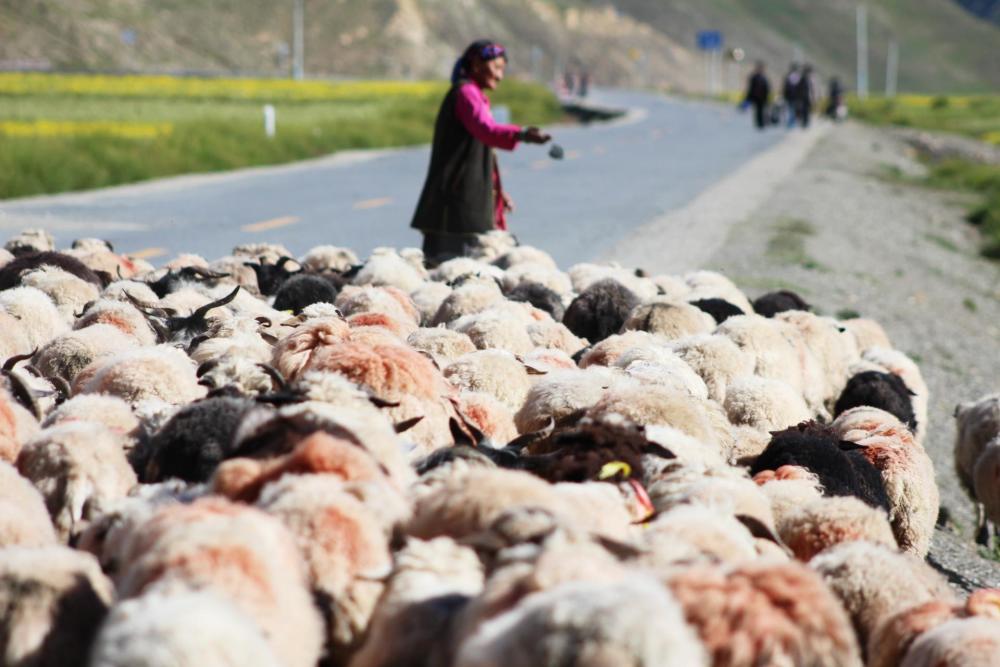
{"x": 849, "y": 239}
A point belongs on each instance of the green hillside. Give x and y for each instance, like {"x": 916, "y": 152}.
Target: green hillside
{"x": 628, "y": 42}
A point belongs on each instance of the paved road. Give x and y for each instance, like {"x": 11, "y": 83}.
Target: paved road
{"x": 615, "y": 178}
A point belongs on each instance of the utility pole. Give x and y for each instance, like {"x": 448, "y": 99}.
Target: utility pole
{"x": 891, "y": 69}
{"x": 862, "y": 26}
{"x": 298, "y": 40}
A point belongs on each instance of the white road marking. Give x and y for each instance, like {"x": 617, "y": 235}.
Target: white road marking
{"x": 365, "y": 204}
{"x": 273, "y": 223}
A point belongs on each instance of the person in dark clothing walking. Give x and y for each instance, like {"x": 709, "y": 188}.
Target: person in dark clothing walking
{"x": 789, "y": 91}
{"x": 805, "y": 96}
{"x": 462, "y": 195}
{"x": 758, "y": 93}
{"x": 835, "y": 100}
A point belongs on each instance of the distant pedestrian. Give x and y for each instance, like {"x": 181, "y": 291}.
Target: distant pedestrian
{"x": 789, "y": 90}
{"x": 805, "y": 96}
{"x": 835, "y": 107}
{"x": 584, "y": 86}
{"x": 758, "y": 94}
{"x": 463, "y": 196}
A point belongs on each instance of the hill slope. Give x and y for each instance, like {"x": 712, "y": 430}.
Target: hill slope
{"x": 629, "y": 42}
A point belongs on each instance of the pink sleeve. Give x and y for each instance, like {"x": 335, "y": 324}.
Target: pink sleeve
{"x": 473, "y": 111}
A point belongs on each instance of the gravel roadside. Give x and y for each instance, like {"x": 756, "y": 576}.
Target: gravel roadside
{"x": 848, "y": 238}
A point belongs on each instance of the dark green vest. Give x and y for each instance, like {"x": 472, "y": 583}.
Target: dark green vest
{"x": 458, "y": 193}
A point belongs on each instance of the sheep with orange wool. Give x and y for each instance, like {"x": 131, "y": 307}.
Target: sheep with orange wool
{"x": 52, "y": 601}
{"x": 368, "y": 299}
{"x": 162, "y": 372}
{"x": 294, "y": 352}
{"x": 239, "y": 553}
{"x": 40, "y": 319}
{"x": 895, "y": 637}
{"x": 79, "y": 468}
{"x": 670, "y": 319}
{"x": 398, "y": 328}
{"x": 971, "y": 642}
{"x": 414, "y": 619}
{"x": 562, "y": 393}
{"x": 906, "y": 469}
{"x": 68, "y": 354}
{"x": 120, "y": 314}
{"x": 875, "y": 582}
{"x": 494, "y": 418}
{"x": 633, "y": 622}
{"x": 812, "y": 528}
{"x": 17, "y": 426}
{"x": 443, "y": 345}
{"x": 544, "y": 360}
{"x": 785, "y": 615}
{"x": 265, "y": 432}
{"x": 24, "y": 521}
{"x": 495, "y": 372}
{"x": 180, "y": 627}
{"x": 320, "y": 453}
{"x": 344, "y": 548}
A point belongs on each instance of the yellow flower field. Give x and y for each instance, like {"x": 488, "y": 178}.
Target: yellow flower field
{"x": 69, "y": 128}
{"x": 32, "y": 83}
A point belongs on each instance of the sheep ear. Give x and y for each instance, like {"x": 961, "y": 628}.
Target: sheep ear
{"x": 578, "y": 355}
{"x": 63, "y": 390}
{"x": 761, "y": 530}
{"x": 620, "y": 550}
{"x": 207, "y": 367}
{"x": 847, "y": 446}
{"x": 406, "y": 425}
{"x": 22, "y": 394}
{"x": 195, "y": 342}
{"x": 18, "y": 358}
{"x": 658, "y": 450}
{"x": 458, "y": 434}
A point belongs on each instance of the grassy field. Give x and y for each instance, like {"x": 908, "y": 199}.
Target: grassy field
{"x": 977, "y": 117}
{"x": 61, "y": 133}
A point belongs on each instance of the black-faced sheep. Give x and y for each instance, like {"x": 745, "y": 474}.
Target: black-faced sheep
{"x": 772, "y": 303}
{"x": 879, "y": 390}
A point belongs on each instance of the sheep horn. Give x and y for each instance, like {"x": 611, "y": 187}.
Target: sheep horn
{"x": 761, "y": 530}
{"x": 284, "y": 259}
{"x": 203, "y": 310}
{"x": 109, "y": 245}
{"x": 522, "y": 441}
{"x": 659, "y": 450}
{"x": 473, "y": 430}
{"x": 407, "y": 424}
{"x": 431, "y": 357}
{"x": 381, "y": 402}
{"x": 268, "y": 338}
{"x": 620, "y": 550}
{"x": 118, "y": 270}
{"x": 460, "y": 435}
{"x": 22, "y": 393}
{"x": 161, "y": 331}
{"x": 62, "y": 388}
{"x": 263, "y": 321}
{"x": 276, "y": 377}
{"x": 18, "y": 358}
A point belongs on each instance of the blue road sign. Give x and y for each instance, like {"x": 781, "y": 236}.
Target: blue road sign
{"x": 709, "y": 40}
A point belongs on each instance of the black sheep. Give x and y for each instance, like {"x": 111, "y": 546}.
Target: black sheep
{"x": 270, "y": 277}
{"x": 773, "y": 303}
{"x": 840, "y": 467}
{"x": 305, "y": 289}
{"x": 173, "y": 280}
{"x": 540, "y": 297}
{"x": 720, "y": 309}
{"x": 193, "y": 442}
{"x": 600, "y": 310}
{"x": 878, "y": 390}
{"x": 10, "y": 274}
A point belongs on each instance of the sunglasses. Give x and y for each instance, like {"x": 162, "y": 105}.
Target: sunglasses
{"x": 491, "y": 51}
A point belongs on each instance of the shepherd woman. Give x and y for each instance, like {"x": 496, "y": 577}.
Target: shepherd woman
{"x": 463, "y": 195}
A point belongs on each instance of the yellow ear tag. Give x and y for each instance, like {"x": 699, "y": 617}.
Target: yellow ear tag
{"x": 612, "y": 468}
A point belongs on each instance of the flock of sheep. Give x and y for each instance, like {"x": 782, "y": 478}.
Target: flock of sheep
{"x": 262, "y": 461}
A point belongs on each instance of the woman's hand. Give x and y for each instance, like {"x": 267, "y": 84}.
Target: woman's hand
{"x": 508, "y": 203}
{"x": 533, "y": 135}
